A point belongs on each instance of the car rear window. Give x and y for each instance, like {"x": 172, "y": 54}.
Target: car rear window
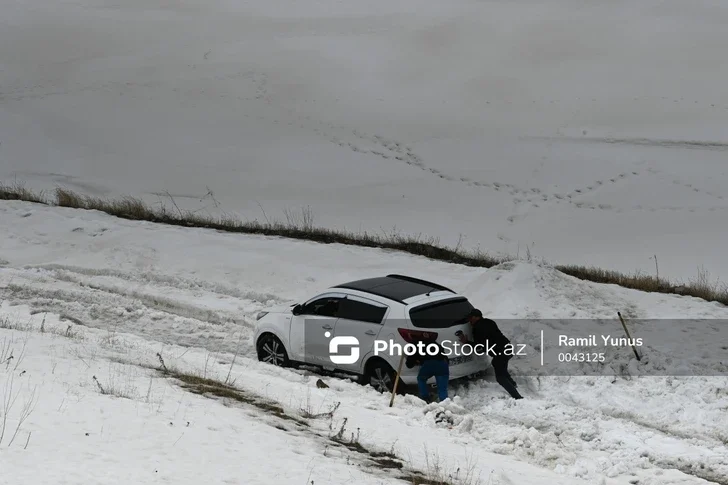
{"x": 443, "y": 314}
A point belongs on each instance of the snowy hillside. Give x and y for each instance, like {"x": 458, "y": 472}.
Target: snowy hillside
{"x": 591, "y": 132}
{"x": 124, "y": 291}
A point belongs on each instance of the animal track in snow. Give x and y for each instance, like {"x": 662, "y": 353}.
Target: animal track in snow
{"x": 393, "y": 150}
{"x": 600, "y": 183}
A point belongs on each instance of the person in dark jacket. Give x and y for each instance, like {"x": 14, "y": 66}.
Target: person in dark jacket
{"x": 487, "y": 333}
{"x": 431, "y": 365}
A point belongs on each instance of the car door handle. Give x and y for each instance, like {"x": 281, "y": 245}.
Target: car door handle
{"x": 370, "y": 332}
{"x": 327, "y": 327}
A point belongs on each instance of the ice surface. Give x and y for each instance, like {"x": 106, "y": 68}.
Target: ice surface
{"x": 561, "y": 126}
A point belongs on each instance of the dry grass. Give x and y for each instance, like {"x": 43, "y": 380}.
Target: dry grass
{"x": 208, "y": 387}
{"x": 126, "y": 207}
{"x": 120, "y": 381}
{"x": 214, "y": 388}
{"x": 301, "y": 226}
{"x": 700, "y": 287}
{"x": 637, "y": 281}
{"x": 18, "y": 191}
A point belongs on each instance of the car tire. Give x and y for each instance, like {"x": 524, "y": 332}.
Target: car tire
{"x": 381, "y": 376}
{"x": 271, "y": 350}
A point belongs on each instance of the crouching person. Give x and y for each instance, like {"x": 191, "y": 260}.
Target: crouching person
{"x": 432, "y": 364}
{"x": 487, "y": 334}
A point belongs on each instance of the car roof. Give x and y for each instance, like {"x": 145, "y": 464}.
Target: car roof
{"x": 394, "y": 287}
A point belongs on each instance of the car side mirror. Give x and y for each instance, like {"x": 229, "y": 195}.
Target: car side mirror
{"x": 296, "y": 310}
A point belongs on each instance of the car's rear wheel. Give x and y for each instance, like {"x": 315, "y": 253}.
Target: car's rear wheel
{"x": 272, "y": 351}
{"x": 380, "y": 376}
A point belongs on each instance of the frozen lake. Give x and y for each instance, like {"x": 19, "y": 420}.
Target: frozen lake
{"x": 591, "y": 132}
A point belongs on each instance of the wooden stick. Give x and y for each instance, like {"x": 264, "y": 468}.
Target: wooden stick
{"x": 396, "y": 380}
{"x": 628, "y": 336}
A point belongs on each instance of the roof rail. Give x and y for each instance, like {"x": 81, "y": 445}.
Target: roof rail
{"x": 422, "y": 282}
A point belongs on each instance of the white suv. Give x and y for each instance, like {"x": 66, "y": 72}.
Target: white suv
{"x": 392, "y": 308}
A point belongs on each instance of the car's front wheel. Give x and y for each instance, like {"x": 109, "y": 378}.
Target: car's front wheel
{"x": 272, "y": 351}
{"x": 380, "y": 376}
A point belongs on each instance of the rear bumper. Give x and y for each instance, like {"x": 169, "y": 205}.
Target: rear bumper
{"x": 459, "y": 371}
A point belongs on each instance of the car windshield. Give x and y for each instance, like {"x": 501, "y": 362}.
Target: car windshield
{"x": 443, "y": 314}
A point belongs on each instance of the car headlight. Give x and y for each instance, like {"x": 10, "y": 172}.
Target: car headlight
{"x": 261, "y": 315}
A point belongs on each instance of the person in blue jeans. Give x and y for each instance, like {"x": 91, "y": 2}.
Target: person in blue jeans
{"x": 435, "y": 365}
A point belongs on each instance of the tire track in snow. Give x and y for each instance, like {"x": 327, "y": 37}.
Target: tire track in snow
{"x": 160, "y": 279}
{"x": 153, "y": 306}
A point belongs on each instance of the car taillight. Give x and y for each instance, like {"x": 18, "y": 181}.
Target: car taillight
{"x": 411, "y": 336}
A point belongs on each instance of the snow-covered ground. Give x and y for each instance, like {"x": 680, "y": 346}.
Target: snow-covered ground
{"x": 135, "y": 289}
{"x": 563, "y": 126}
{"x": 62, "y": 429}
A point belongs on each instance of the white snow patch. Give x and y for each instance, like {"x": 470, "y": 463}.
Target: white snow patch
{"x": 140, "y": 288}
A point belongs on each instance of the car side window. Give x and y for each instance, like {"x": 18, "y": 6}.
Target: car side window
{"x": 353, "y": 309}
{"x": 326, "y": 307}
